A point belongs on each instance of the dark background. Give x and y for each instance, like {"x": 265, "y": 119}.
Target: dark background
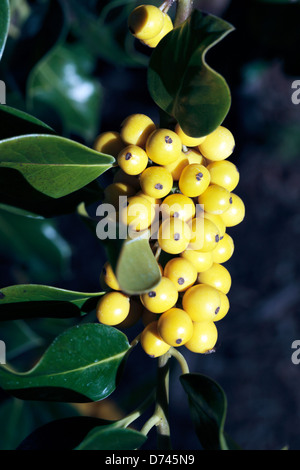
{"x": 253, "y": 360}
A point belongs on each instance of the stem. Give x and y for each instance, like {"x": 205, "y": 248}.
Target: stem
{"x": 180, "y": 358}
{"x": 184, "y": 10}
{"x": 162, "y": 403}
{"x": 166, "y": 5}
{"x": 137, "y": 412}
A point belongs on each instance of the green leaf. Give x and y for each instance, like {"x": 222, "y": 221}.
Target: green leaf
{"x": 53, "y": 165}
{"x": 33, "y": 300}
{"x": 110, "y": 438}
{"x": 63, "y": 81}
{"x": 181, "y": 82}
{"x": 4, "y": 24}
{"x": 19, "y": 418}
{"x": 82, "y": 364}
{"x": 36, "y": 244}
{"x": 208, "y": 406}
{"x": 15, "y": 123}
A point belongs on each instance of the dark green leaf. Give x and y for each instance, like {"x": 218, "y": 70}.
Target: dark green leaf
{"x": 208, "y": 405}
{"x": 30, "y": 300}
{"x": 15, "y": 122}
{"x": 18, "y": 338}
{"x": 4, "y": 24}
{"x": 19, "y": 418}
{"x": 63, "y": 81}
{"x": 36, "y": 244}
{"x": 181, "y": 82}
{"x": 53, "y": 165}
{"x": 110, "y": 438}
{"x": 81, "y": 364}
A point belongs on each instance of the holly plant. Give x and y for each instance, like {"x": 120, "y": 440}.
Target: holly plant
{"x": 158, "y": 193}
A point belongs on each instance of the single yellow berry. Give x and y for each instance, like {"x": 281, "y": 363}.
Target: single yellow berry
{"x": 218, "y": 145}
{"x": 204, "y": 338}
{"x": 145, "y": 22}
{"x": 133, "y": 160}
{"x": 201, "y": 260}
{"x": 174, "y": 236}
{"x": 224, "y": 308}
{"x": 114, "y": 191}
{"x": 163, "y": 147}
{"x": 181, "y": 272}
{"x": 201, "y": 302}
{"x": 109, "y": 277}
{"x": 217, "y": 276}
{"x": 136, "y": 128}
{"x": 225, "y": 174}
{"x": 161, "y": 298}
{"x": 216, "y": 219}
{"x": 167, "y": 27}
{"x": 138, "y": 214}
{"x": 113, "y": 308}
{"x": 176, "y": 167}
{"x": 175, "y": 327}
{"x": 215, "y": 199}
{"x": 179, "y": 206}
{"x": 134, "y": 315}
{"x": 186, "y": 139}
{"x": 194, "y": 180}
{"x": 235, "y": 214}
{"x": 109, "y": 143}
{"x": 205, "y": 234}
{"x": 195, "y": 156}
{"x": 224, "y": 250}
{"x": 156, "y": 181}
{"x": 151, "y": 341}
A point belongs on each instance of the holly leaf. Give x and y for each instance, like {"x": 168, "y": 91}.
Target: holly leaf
{"x": 15, "y": 123}
{"x": 181, "y": 82}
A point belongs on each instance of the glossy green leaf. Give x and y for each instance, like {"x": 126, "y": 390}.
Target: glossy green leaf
{"x": 82, "y": 365}
{"x": 4, "y": 24}
{"x": 181, "y": 82}
{"x": 19, "y": 418}
{"x": 33, "y": 300}
{"x": 53, "y": 165}
{"x": 15, "y": 123}
{"x": 110, "y": 438}
{"x": 208, "y": 406}
{"x": 63, "y": 81}
{"x": 35, "y": 244}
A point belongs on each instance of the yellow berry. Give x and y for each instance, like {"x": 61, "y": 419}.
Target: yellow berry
{"x": 217, "y": 276}
{"x": 161, "y": 298}
{"x": 113, "y": 308}
{"x": 153, "y": 200}
{"x": 204, "y": 338}
{"x": 215, "y": 199}
{"x": 145, "y": 22}
{"x": 224, "y": 308}
{"x": 205, "y": 234}
{"x": 181, "y": 272}
{"x": 156, "y": 181}
{"x": 174, "y": 236}
{"x": 134, "y": 315}
{"x": 138, "y": 214}
{"x": 179, "y": 206}
{"x": 186, "y": 139}
{"x": 225, "y": 174}
{"x": 194, "y": 180}
{"x": 136, "y": 128}
{"x": 201, "y": 260}
{"x": 109, "y": 277}
{"x": 224, "y": 250}
{"x": 121, "y": 177}
{"x": 218, "y": 145}
{"x": 163, "y": 147}
{"x": 175, "y": 327}
{"x": 176, "y": 167}
{"x": 235, "y": 214}
{"x": 151, "y": 341}
{"x": 113, "y": 191}
{"x": 195, "y": 157}
{"x": 109, "y": 142}
{"x": 133, "y": 160}
{"x": 167, "y": 27}
{"x": 201, "y": 302}
{"x": 216, "y": 219}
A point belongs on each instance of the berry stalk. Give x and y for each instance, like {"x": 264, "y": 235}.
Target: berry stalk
{"x": 183, "y": 11}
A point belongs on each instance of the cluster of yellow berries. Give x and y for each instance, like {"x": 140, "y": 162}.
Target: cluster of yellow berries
{"x": 166, "y": 169}
{"x": 149, "y": 24}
